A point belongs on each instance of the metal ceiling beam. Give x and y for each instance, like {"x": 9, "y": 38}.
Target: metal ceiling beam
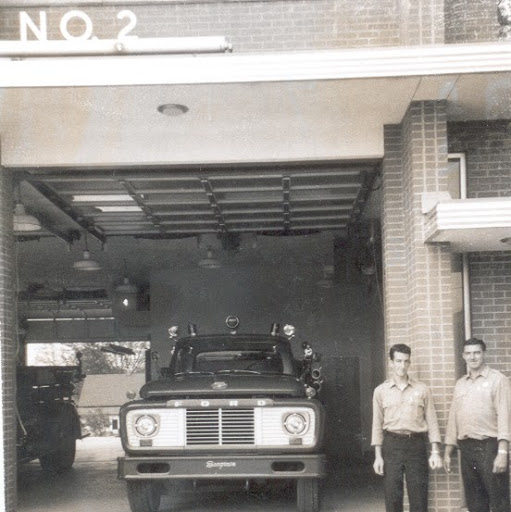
{"x": 301, "y": 218}
{"x": 312, "y": 196}
{"x": 348, "y": 170}
{"x": 183, "y": 213}
{"x": 65, "y": 208}
{"x": 140, "y": 202}
{"x": 70, "y": 236}
{"x": 181, "y": 233}
{"x": 286, "y": 185}
{"x": 191, "y": 221}
{"x": 366, "y": 188}
{"x": 214, "y": 204}
{"x": 200, "y": 201}
{"x": 172, "y": 191}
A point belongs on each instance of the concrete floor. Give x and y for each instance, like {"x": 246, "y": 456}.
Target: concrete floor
{"x": 92, "y": 485}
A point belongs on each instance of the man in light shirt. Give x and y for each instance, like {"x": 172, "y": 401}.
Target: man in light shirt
{"x": 404, "y": 418}
{"x": 479, "y": 424}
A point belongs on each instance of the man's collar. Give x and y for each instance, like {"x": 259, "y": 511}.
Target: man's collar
{"x": 392, "y": 382}
{"x": 481, "y": 373}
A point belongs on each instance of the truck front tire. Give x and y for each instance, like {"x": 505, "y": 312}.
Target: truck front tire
{"x": 307, "y": 495}
{"x": 144, "y": 495}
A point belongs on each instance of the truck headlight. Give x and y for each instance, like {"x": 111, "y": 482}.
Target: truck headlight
{"x": 146, "y": 425}
{"x": 295, "y": 423}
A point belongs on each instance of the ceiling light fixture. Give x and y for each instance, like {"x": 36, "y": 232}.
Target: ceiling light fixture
{"x": 86, "y": 264}
{"x": 126, "y": 286}
{"x": 210, "y": 261}
{"x": 172, "y": 109}
{"x": 22, "y": 221}
{"x": 119, "y": 209}
{"x": 126, "y": 293}
{"x": 101, "y": 198}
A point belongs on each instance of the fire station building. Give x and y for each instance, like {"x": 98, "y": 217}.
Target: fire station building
{"x": 341, "y": 166}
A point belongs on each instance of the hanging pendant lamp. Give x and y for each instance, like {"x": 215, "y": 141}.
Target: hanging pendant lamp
{"x": 209, "y": 261}
{"x": 21, "y": 220}
{"x": 126, "y": 293}
{"x": 86, "y": 264}
{"x": 126, "y": 286}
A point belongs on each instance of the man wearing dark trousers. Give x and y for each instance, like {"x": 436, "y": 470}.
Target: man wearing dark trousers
{"x": 404, "y": 418}
{"x": 479, "y": 424}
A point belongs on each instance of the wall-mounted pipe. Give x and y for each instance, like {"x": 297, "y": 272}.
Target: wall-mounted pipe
{"x": 128, "y": 46}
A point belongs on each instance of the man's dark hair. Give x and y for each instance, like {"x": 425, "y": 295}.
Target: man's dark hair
{"x": 475, "y": 341}
{"x": 401, "y": 348}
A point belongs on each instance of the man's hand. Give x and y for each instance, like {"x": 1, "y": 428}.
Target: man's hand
{"x": 378, "y": 465}
{"x": 449, "y": 449}
{"x": 435, "y": 461}
{"x": 500, "y": 464}
{"x": 447, "y": 462}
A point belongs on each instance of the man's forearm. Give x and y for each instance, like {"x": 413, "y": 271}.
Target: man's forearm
{"x": 503, "y": 446}
{"x": 449, "y": 448}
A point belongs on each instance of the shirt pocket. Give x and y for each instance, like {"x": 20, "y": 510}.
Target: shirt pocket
{"x": 416, "y": 403}
{"x": 391, "y": 402}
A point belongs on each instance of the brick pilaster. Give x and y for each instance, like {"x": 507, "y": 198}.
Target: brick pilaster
{"x": 7, "y": 347}
{"x": 418, "y": 308}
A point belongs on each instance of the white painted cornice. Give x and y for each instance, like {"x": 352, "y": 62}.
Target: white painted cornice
{"x": 19, "y": 68}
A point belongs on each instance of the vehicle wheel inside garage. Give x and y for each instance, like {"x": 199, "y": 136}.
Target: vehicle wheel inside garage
{"x": 62, "y": 459}
{"x": 307, "y": 495}
{"x": 144, "y": 496}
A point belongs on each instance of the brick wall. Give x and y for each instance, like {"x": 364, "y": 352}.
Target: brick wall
{"x": 259, "y": 25}
{"x": 490, "y": 291}
{"x": 418, "y": 307}
{"x": 471, "y": 21}
{"x": 487, "y": 146}
{"x": 8, "y": 347}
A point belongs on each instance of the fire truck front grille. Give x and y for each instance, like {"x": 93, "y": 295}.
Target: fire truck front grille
{"x": 220, "y": 427}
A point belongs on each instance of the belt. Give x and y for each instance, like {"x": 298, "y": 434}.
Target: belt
{"x": 473, "y": 440}
{"x": 405, "y": 435}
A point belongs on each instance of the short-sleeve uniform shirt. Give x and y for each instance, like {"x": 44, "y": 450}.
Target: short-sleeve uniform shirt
{"x": 410, "y": 410}
{"x": 481, "y": 407}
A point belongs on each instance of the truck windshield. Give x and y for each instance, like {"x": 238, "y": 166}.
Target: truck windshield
{"x": 189, "y": 359}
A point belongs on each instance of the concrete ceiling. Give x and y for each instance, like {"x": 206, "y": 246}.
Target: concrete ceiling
{"x": 237, "y": 122}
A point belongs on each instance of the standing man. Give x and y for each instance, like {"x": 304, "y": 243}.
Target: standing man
{"x": 403, "y": 419}
{"x": 479, "y": 424}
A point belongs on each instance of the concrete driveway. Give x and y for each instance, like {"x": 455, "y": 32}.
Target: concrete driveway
{"x": 92, "y": 485}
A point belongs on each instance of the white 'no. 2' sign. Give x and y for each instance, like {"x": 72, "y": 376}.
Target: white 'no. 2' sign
{"x": 39, "y": 28}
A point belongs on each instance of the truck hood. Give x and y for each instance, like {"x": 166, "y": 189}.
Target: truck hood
{"x": 223, "y": 386}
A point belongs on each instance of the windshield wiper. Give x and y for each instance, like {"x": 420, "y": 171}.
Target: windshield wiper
{"x": 254, "y": 372}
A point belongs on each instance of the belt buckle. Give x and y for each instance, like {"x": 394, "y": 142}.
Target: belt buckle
{"x": 404, "y": 435}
